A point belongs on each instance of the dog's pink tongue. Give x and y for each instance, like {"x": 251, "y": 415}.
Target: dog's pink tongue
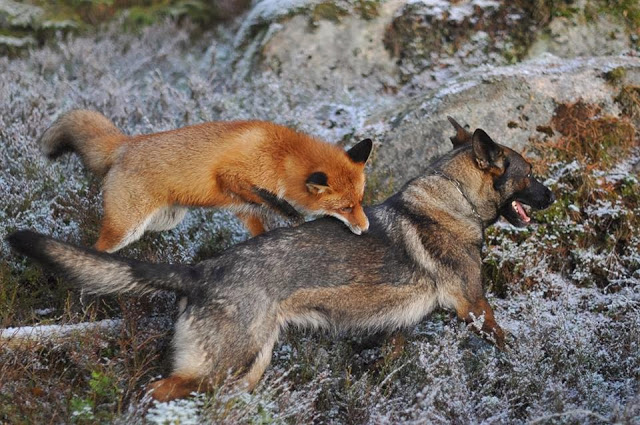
{"x": 521, "y": 212}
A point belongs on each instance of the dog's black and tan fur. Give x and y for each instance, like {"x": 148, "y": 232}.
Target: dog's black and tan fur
{"x": 423, "y": 250}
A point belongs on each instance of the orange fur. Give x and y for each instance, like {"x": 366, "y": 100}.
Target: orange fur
{"x": 214, "y": 164}
{"x": 173, "y": 387}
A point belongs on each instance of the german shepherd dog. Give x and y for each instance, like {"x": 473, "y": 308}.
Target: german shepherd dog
{"x": 423, "y": 250}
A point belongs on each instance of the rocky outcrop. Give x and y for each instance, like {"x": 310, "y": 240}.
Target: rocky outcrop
{"x": 324, "y": 42}
{"x": 420, "y": 43}
{"x": 444, "y": 58}
{"x": 23, "y": 25}
{"x": 511, "y": 103}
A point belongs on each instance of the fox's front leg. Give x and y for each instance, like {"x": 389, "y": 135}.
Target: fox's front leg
{"x": 253, "y": 223}
{"x": 240, "y": 193}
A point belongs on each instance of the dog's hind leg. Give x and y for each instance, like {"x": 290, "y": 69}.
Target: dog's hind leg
{"x": 176, "y": 386}
{"x": 192, "y": 363}
{"x": 205, "y": 357}
{"x": 262, "y": 360}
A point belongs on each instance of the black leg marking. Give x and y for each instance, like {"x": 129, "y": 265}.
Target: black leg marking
{"x": 279, "y": 205}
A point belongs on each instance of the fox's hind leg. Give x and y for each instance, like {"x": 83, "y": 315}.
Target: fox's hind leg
{"x": 120, "y": 227}
{"x": 115, "y": 234}
{"x": 128, "y": 210}
{"x": 166, "y": 218}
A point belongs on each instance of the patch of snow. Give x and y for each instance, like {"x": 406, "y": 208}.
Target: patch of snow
{"x": 46, "y": 332}
{"x": 176, "y": 412}
{"x": 456, "y": 12}
{"x": 267, "y": 11}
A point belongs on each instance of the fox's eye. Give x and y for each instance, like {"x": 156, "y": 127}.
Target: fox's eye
{"x": 346, "y": 210}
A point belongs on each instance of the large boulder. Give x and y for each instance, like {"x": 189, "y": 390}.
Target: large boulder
{"x": 24, "y": 26}
{"x": 18, "y": 15}
{"x": 511, "y": 103}
{"x": 431, "y": 35}
{"x": 419, "y": 43}
{"x": 15, "y": 21}
{"x": 328, "y": 43}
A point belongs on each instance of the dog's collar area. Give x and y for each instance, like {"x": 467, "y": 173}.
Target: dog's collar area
{"x": 458, "y": 186}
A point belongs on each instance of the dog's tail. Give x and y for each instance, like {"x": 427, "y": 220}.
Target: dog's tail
{"x": 102, "y": 273}
{"x": 88, "y": 133}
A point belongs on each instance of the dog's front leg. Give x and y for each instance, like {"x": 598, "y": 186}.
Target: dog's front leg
{"x": 470, "y": 307}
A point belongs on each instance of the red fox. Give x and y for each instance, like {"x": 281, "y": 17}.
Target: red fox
{"x": 250, "y": 167}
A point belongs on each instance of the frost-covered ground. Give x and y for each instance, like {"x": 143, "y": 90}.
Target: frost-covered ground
{"x": 567, "y": 290}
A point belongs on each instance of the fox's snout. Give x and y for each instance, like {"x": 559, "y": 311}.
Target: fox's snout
{"x": 357, "y": 220}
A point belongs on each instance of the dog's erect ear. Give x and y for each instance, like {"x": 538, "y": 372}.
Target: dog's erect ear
{"x": 462, "y": 136}
{"x": 485, "y": 151}
{"x": 360, "y": 152}
{"x": 317, "y": 183}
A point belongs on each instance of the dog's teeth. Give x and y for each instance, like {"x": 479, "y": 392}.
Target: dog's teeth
{"x": 519, "y": 209}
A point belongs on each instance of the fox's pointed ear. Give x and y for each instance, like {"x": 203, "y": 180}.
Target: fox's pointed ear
{"x": 462, "y": 136}
{"x": 485, "y": 151}
{"x": 361, "y": 151}
{"x": 317, "y": 183}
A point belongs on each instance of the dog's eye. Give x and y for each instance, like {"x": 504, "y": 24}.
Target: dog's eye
{"x": 346, "y": 210}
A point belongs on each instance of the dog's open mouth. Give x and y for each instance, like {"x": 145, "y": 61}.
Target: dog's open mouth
{"x": 519, "y": 209}
{"x": 516, "y": 213}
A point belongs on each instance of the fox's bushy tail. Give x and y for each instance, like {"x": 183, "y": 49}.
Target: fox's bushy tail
{"x": 88, "y": 133}
{"x": 101, "y": 273}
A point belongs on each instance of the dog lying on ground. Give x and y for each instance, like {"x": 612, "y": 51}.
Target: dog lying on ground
{"x": 423, "y": 250}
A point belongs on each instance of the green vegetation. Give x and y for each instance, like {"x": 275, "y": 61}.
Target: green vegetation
{"x": 329, "y": 11}
{"x": 49, "y": 18}
{"x": 138, "y": 12}
{"x": 368, "y": 9}
{"x": 627, "y": 10}
{"x": 592, "y": 232}
{"x": 615, "y": 76}
{"x": 629, "y": 101}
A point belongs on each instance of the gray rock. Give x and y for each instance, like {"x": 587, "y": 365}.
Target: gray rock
{"x": 11, "y": 44}
{"x": 508, "y": 102}
{"x": 412, "y": 44}
{"x": 64, "y": 26}
{"x": 426, "y": 35}
{"x": 18, "y": 15}
{"x": 327, "y": 43}
{"x": 569, "y": 37}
